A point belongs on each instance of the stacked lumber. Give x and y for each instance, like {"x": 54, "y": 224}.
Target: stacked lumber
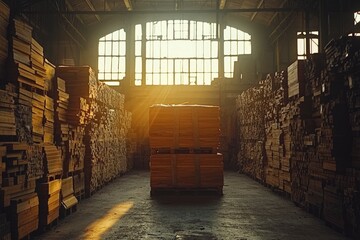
{"x": 319, "y": 135}
{"x": 4, "y": 22}
{"x": 49, "y": 120}
{"x": 52, "y": 160}
{"x": 34, "y": 156}
{"x": 24, "y": 214}
{"x": 61, "y": 99}
{"x": 38, "y": 108}
{"x": 79, "y": 184}
{"x": 15, "y": 183}
{"x": 251, "y": 121}
{"x": 296, "y": 81}
{"x": 100, "y": 109}
{"x": 7, "y": 115}
{"x": 184, "y": 140}
{"x": 5, "y": 227}
{"x": 182, "y": 126}
{"x": 49, "y": 202}
{"x": 68, "y": 199}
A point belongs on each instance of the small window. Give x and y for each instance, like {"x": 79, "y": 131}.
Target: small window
{"x": 301, "y": 43}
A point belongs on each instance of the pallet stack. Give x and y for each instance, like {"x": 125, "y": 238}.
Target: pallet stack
{"x": 184, "y": 140}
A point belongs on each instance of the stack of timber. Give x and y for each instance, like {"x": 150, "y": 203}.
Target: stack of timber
{"x": 68, "y": 199}
{"x": 184, "y": 140}
{"x": 97, "y": 114}
{"x": 7, "y": 115}
{"x": 5, "y": 233}
{"x": 49, "y": 120}
{"x": 49, "y": 199}
{"x": 251, "y": 121}
{"x": 52, "y": 161}
{"x": 296, "y": 81}
{"x": 319, "y": 133}
{"x": 15, "y": 182}
{"x": 24, "y": 214}
{"x": 61, "y": 100}
{"x": 4, "y": 22}
{"x": 34, "y": 156}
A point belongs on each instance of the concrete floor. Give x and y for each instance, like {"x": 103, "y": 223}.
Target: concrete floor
{"x": 124, "y": 210}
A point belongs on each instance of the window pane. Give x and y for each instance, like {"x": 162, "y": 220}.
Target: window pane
{"x": 247, "y": 47}
{"x": 137, "y": 48}
{"x": 101, "y": 48}
{"x": 138, "y": 32}
{"x": 227, "y": 48}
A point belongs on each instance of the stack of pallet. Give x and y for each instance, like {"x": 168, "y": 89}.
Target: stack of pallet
{"x": 24, "y": 215}
{"x": 4, "y": 22}
{"x": 184, "y": 140}
{"x": 49, "y": 199}
{"x": 68, "y": 200}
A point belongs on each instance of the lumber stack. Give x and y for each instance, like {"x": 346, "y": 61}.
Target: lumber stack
{"x": 98, "y": 127}
{"x": 79, "y": 184}
{"x": 68, "y": 200}
{"x": 4, "y": 22}
{"x": 317, "y": 133}
{"x": 49, "y": 202}
{"x": 184, "y": 140}
{"x": 52, "y": 161}
{"x": 61, "y": 100}
{"x": 24, "y": 215}
{"x": 34, "y": 157}
{"x": 251, "y": 121}
{"x": 14, "y": 180}
{"x": 7, "y": 115}
{"x": 296, "y": 81}
{"x": 49, "y": 120}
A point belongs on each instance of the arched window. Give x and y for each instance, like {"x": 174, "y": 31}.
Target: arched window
{"x": 172, "y": 52}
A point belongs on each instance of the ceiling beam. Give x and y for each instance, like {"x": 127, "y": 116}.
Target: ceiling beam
{"x": 124, "y": 12}
{"x": 68, "y": 5}
{"x": 128, "y": 4}
{"x": 276, "y": 13}
{"x": 222, "y": 4}
{"x": 91, "y": 6}
{"x": 261, "y": 2}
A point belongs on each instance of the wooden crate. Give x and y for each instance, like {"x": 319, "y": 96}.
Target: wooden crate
{"x": 186, "y": 171}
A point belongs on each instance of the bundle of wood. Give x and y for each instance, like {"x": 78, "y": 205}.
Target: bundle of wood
{"x": 68, "y": 200}
{"x": 296, "y": 81}
{"x": 75, "y": 148}
{"x": 49, "y": 120}
{"x": 34, "y": 156}
{"x": 79, "y": 184}
{"x": 38, "y": 107}
{"x": 4, "y": 22}
{"x": 24, "y": 215}
{"x": 186, "y": 171}
{"x": 61, "y": 98}
{"x": 15, "y": 181}
{"x": 52, "y": 160}
{"x": 251, "y": 123}
{"x": 184, "y": 140}
{"x": 182, "y": 126}
{"x": 81, "y": 81}
{"x": 49, "y": 199}
{"x": 103, "y": 161}
{"x": 7, "y": 115}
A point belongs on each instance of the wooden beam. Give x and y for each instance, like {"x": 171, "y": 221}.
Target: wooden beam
{"x": 261, "y": 2}
{"x": 128, "y": 5}
{"x": 91, "y": 6}
{"x": 68, "y": 5}
{"x": 222, "y": 4}
{"x": 276, "y": 13}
